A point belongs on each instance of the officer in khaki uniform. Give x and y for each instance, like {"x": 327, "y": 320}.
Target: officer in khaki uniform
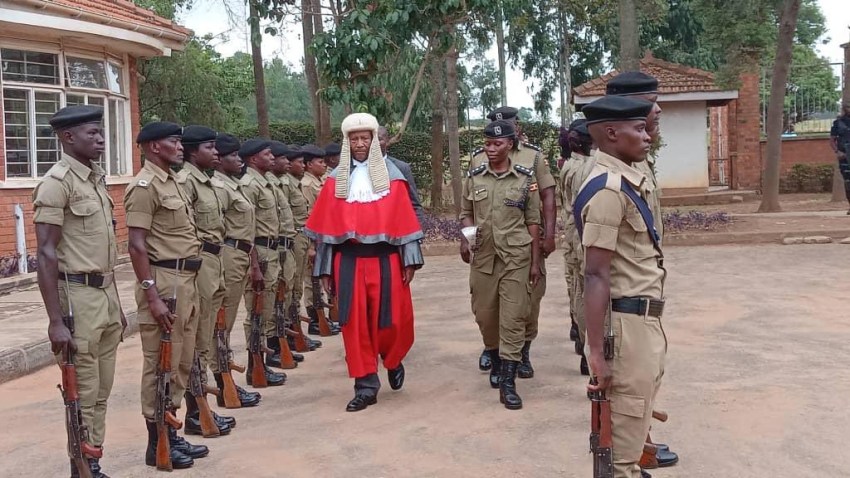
{"x": 531, "y": 157}
{"x": 258, "y": 156}
{"x": 286, "y": 242}
{"x": 311, "y": 186}
{"x": 164, "y": 248}
{"x": 236, "y": 255}
{"x": 500, "y": 198}
{"x": 76, "y": 255}
{"x": 621, "y": 245}
{"x": 199, "y": 155}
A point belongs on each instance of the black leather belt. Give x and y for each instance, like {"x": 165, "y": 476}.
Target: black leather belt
{"x": 286, "y": 242}
{"x": 90, "y": 279}
{"x": 244, "y": 246}
{"x": 270, "y": 242}
{"x": 214, "y": 249}
{"x": 191, "y": 265}
{"x": 638, "y": 306}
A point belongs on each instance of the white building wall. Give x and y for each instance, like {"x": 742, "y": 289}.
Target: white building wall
{"x": 683, "y": 162}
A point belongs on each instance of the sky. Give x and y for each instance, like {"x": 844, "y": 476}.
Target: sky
{"x": 229, "y": 26}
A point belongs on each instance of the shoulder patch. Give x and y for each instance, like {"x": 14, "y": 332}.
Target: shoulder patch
{"x": 143, "y": 183}
{"x": 476, "y": 171}
{"x": 58, "y": 170}
{"x": 532, "y": 146}
{"x": 522, "y": 169}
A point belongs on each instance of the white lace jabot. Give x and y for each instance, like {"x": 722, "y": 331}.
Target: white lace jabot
{"x": 360, "y": 184}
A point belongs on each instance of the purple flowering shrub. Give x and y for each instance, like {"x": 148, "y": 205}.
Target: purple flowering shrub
{"x": 439, "y": 229}
{"x": 677, "y": 221}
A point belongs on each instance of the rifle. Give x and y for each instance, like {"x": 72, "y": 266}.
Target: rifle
{"x": 659, "y": 415}
{"x": 225, "y": 363}
{"x": 199, "y": 391}
{"x": 286, "y": 360}
{"x": 600, "y": 434}
{"x": 295, "y": 322}
{"x": 649, "y": 457}
{"x": 258, "y": 369}
{"x": 78, "y": 432}
{"x": 319, "y": 305}
{"x": 164, "y": 416}
{"x": 333, "y": 307}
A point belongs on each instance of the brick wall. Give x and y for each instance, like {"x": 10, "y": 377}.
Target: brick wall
{"x": 2, "y": 140}
{"x": 135, "y": 119}
{"x": 747, "y": 155}
{"x": 802, "y": 150}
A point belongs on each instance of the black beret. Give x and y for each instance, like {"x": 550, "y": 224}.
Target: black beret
{"x": 616, "y": 108}
{"x": 579, "y": 126}
{"x": 196, "y": 134}
{"x": 503, "y": 113}
{"x": 310, "y": 151}
{"x": 499, "y": 129}
{"x": 279, "y": 149}
{"x": 253, "y": 146}
{"x": 226, "y": 144}
{"x": 332, "y": 149}
{"x": 158, "y": 130}
{"x": 71, "y": 116}
{"x": 294, "y": 152}
{"x": 632, "y": 83}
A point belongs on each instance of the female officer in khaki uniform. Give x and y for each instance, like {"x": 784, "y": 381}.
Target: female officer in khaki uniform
{"x": 501, "y": 199}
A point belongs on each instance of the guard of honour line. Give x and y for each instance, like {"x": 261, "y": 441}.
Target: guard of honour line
{"x": 339, "y": 229}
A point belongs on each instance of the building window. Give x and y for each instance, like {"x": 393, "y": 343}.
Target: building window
{"x": 33, "y": 91}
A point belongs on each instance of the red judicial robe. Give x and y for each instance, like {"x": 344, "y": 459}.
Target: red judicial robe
{"x": 365, "y": 247}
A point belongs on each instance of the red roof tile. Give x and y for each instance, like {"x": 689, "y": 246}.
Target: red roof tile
{"x": 123, "y": 10}
{"x": 672, "y": 78}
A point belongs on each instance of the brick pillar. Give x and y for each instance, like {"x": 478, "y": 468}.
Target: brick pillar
{"x": 747, "y": 134}
{"x": 135, "y": 120}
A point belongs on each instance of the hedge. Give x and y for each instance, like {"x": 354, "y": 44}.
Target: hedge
{"x": 808, "y": 178}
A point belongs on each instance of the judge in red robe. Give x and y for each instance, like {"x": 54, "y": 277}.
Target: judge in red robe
{"x": 367, "y": 239}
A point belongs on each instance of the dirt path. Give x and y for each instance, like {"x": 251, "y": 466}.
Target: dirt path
{"x": 754, "y": 387}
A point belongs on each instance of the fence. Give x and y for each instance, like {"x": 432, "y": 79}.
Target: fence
{"x": 812, "y": 97}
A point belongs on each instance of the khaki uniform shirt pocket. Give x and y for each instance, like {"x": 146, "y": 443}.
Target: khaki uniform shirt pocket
{"x": 85, "y": 220}
{"x": 173, "y": 212}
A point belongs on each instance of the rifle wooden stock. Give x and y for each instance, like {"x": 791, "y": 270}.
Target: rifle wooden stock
{"x": 164, "y": 407}
{"x": 324, "y": 327}
{"x": 231, "y": 396}
{"x": 601, "y": 441}
{"x": 258, "y": 372}
{"x": 649, "y": 459}
{"x": 659, "y": 415}
{"x": 297, "y": 332}
{"x": 163, "y": 448}
{"x": 258, "y": 369}
{"x": 235, "y": 366}
{"x": 300, "y": 341}
{"x": 199, "y": 391}
{"x": 208, "y": 425}
{"x": 225, "y": 365}
{"x": 286, "y": 360}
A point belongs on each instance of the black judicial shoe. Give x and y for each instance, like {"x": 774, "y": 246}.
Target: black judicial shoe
{"x": 360, "y": 402}
{"x": 583, "y": 368}
{"x": 495, "y": 368}
{"x": 180, "y": 444}
{"x": 507, "y": 388}
{"x": 525, "y": 370}
{"x": 666, "y": 457}
{"x": 396, "y": 377}
{"x": 484, "y": 363}
{"x": 224, "y": 420}
{"x": 574, "y": 332}
{"x": 179, "y": 460}
{"x": 96, "y": 471}
{"x": 248, "y": 399}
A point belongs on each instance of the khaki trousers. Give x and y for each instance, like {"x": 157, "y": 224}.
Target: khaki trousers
{"x": 97, "y": 332}
{"x": 287, "y": 274}
{"x": 270, "y": 285}
{"x": 299, "y": 253}
{"x": 183, "y": 333}
{"x": 537, "y": 293}
{"x": 501, "y": 303}
{"x": 236, "y": 266}
{"x": 637, "y": 367}
{"x": 577, "y": 301}
{"x": 210, "y": 295}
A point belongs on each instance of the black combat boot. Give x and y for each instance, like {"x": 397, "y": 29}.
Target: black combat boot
{"x": 583, "y": 368}
{"x": 313, "y": 328}
{"x": 484, "y": 363}
{"x": 224, "y": 420}
{"x": 178, "y": 459}
{"x": 495, "y": 368}
{"x": 246, "y": 398}
{"x": 574, "y": 331}
{"x": 193, "y": 419}
{"x": 273, "y": 359}
{"x": 180, "y": 444}
{"x": 525, "y": 370}
{"x": 274, "y": 379}
{"x": 507, "y": 389}
{"x": 313, "y": 344}
{"x": 96, "y": 471}
{"x": 579, "y": 346}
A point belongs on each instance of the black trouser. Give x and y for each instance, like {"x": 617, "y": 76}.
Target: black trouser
{"x": 844, "y": 169}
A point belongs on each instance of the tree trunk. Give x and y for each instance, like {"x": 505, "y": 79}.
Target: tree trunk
{"x": 629, "y": 38}
{"x": 438, "y": 121}
{"x": 323, "y": 134}
{"x": 259, "y": 75}
{"x": 564, "y": 71}
{"x": 310, "y": 64}
{"x": 500, "y": 48}
{"x": 453, "y": 128}
{"x": 784, "y": 46}
{"x": 417, "y": 86}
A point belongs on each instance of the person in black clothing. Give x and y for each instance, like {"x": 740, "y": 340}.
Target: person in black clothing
{"x": 840, "y": 142}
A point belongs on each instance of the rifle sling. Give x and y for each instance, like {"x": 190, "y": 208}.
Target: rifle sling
{"x": 347, "y": 267}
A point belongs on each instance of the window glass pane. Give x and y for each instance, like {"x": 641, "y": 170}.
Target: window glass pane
{"x": 86, "y": 73}
{"x": 17, "y": 131}
{"x": 116, "y": 138}
{"x": 46, "y": 104}
{"x": 75, "y": 100}
{"x": 96, "y": 100}
{"x": 116, "y": 82}
{"x": 30, "y": 66}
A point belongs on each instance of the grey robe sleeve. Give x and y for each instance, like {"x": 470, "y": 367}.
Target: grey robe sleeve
{"x": 411, "y": 255}
{"x": 324, "y": 262}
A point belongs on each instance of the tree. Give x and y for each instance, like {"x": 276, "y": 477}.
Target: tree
{"x": 484, "y": 84}
{"x": 438, "y": 123}
{"x": 629, "y": 36}
{"x": 781, "y": 65}
{"x": 311, "y": 24}
{"x": 259, "y": 77}
{"x": 452, "y": 126}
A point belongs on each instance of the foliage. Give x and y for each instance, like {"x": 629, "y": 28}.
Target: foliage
{"x": 165, "y": 8}
{"x": 676, "y": 221}
{"x": 483, "y": 83}
{"x": 808, "y": 178}
{"x": 438, "y": 228}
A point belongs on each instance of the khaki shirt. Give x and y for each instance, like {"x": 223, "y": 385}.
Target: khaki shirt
{"x": 613, "y": 222}
{"x": 297, "y": 201}
{"x": 74, "y": 197}
{"x": 502, "y": 229}
{"x": 201, "y": 191}
{"x": 523, "y": 155}
{"x": 238, "y": 210}
{"x": 653, "y": 194}
{"x": 155, "y": 202}
{"x": 260, "y": 192}
{"x": 287, "y": 224}
{"x": 572, "y": 168}
{"x": 311, "y": 186}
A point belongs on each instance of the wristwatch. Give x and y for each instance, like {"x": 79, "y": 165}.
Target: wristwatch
{"x": 147, "y": 284}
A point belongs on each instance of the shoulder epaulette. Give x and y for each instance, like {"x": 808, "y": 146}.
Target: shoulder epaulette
{"x": 58, "y": 170}
{"x": 216, "y": 183}
{"x": 478, "y": 170}
{"x": 478, "y": 151}
{"x": 143, "y": 179}
{"x": 522, "y": 169}
{"x": 532, "y": 146}
{"x": 182, "y": 176}
{"x": 245, "y": 179}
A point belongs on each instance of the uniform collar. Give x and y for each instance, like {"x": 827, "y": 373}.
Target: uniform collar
{"x": 632, "y": 175}
{"x": 256, "y": 174}
{"x": 157, "y": 171}
{"x": 511, "y": 169}
{"x": 81, "y": 169}
{"x": 313, "y": 177}
{"x": 225, "y": 179}
{"x": 195, "y": 171}
{"x": 270, "y": 177}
